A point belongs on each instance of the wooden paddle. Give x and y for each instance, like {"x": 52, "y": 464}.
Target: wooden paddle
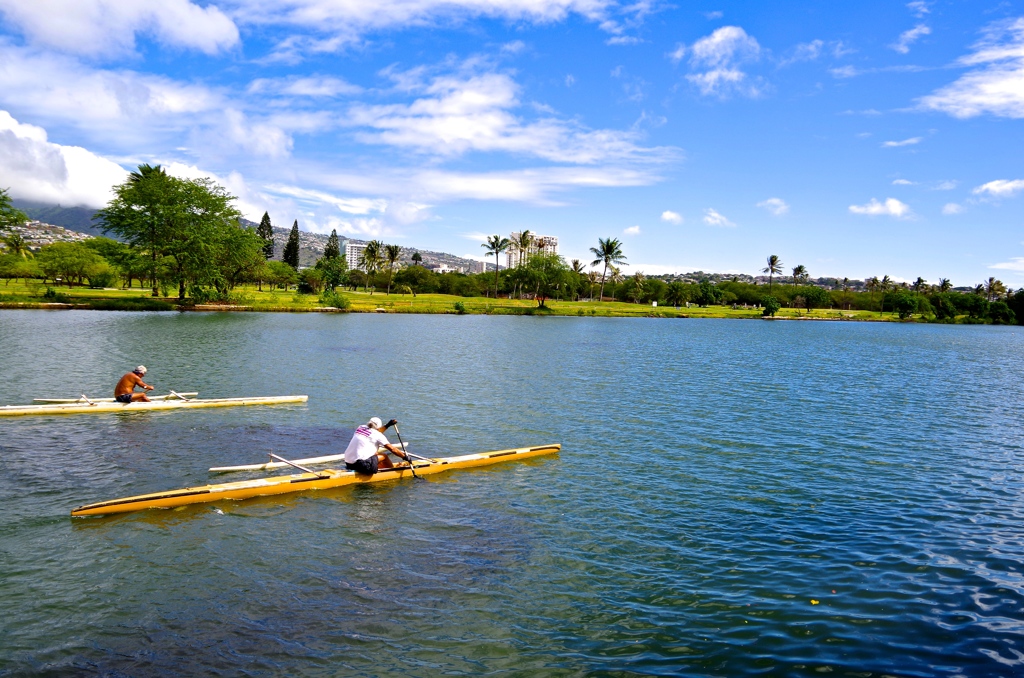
{"x": 292, "y": 463}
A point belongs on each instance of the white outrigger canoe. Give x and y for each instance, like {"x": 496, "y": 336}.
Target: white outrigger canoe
{"x": 310, "y": 461}
{"x": 86, "y": 399}
{"x": 96, "y": 407}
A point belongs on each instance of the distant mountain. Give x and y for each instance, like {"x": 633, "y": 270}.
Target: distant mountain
{"x": 72, "y": 218}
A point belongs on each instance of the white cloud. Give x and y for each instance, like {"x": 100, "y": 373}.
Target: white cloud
{"x": 891, "y": 207}
{"x": 776, "y": 206}
{"x": 676, "y": 55}
{"x": 1014, "y": 264}
{"x": 918, "y": 7}
{"x": 1000, "y": 188}
{"x": 622, "y": 40}
{"x": 906, "y": 142}
{"x": 356, "y": 206}
{"x": 711, "y": 16}
{"x": 672, "y": 217}
{"x": 570, "y": 80}
{"x": 844, "y": 72}
{"x": 36, "y": 169}
{"x": 903, "y": 182}
{"x": 714, "y": 218}
{"x": 476, "y": 236}
{"x": 807, "y": 51}
{"x": 951, "y": 208}
{"x": 310, "y": 86}
{"x": 947, "y": 185}
{"x": 716, "y": 60}
{"x": 473, "y": 112}
{"x": 632, "y": 230}
{"x": 109, "y": 27}
{"x": 907, "y": 38}
{"x": 997, "y": 87}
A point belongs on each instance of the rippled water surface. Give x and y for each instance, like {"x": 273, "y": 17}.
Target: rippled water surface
{"x": 732, "y": 498}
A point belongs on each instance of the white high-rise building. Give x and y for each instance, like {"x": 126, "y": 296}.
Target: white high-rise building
{"x": 352, "y": 253}
{"x": 539, "y": 244}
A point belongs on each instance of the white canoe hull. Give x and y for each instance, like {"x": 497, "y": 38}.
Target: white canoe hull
{"x": 280, "y": 464}
{"x": 65, "y": 401}
{"x": 86, "y": 408}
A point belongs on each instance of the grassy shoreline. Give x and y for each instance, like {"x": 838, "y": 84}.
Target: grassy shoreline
{"x": 19, "y": 295}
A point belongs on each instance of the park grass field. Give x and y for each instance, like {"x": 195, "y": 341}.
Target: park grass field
{"x": 19, "y": 294}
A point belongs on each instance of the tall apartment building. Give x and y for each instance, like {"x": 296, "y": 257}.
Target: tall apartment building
{"x": 352, "y": 253}
{"x": 543, "y": 244}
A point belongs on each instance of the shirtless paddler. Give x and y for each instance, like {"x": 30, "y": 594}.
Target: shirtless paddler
{"x": 124, "y": 391}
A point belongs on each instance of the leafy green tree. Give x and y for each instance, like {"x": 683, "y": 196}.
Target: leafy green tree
{"x": 495, "y": 245}
{"x": 814, "y": 297}
{"x": 1015, "y": 302}
{"x": 266, "y": 233}
{"x": 9, "y": 214}
{"x": 142, "y": 213}
{"x": 905, "y": 303}
{"x": 391, "y": 255}
{"x": 71, "y": 261}
{"x": 13, "y": 267}
{"x": 281, "y": 274}
{"x": 239, "y": 255}
{"x": 707, "y": 294}
{"x": 311, "y": 281}
{"x": 332, "y": 250}
{"x": 417, "y": 258}
{"x": 334, "y": 269}
{"x": 770, "y": 306}
{"x": 1001, "y": 314}
{"x": 547, "y": 275}
{"x": 291, "y": 248}
{"x": 773, "y": 268}
{"x": 609, "y": 253}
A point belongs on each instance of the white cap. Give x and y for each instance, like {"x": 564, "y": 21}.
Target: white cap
{"x": 141, "y": 369}
{"x": 374, "y": 422}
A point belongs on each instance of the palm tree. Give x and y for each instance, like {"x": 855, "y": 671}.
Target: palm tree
{"x": 592, "y": 279}
{"x": 371, "y": 259}
{"x": 16, "y": 245}
{"x": 919, "y": 284}
{"x": 945, "y": 285}
{"x": 885, "y": 285}
{"x": 994, "y": 289}
{"x": 391, "y": 253}
{"x": 496, "y": 245}
{"x": 523, "y": 244}
{"x": 846, "y": 294}
{"x": 872, "y": 285}
{"x": 773, "y": 268}
{"x": 799, "y": 273}
{"x": 608, "y": 252}
{"x": 638, "y": 286}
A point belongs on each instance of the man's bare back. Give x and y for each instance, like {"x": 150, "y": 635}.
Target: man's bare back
{"x": 124, "y": 391}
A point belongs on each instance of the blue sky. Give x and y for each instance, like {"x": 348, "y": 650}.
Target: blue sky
{"x": 857, "y": 139}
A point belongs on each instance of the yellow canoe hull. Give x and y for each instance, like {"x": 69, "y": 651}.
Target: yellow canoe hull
{"x": 98, "y": 407}
{"x": 301, "y": 482}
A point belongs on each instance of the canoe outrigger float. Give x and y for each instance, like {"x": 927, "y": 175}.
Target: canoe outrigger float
{"x": 301, "y": 482}
{"x": 86, "y": 399}
{"x": 96, "y": 406}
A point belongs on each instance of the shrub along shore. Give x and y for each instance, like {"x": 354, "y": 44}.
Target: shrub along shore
{"x": 248, "y": 298}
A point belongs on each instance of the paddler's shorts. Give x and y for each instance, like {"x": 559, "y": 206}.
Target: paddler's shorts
{"x": 124, "y": 398}
{"x": 365, "y": 466}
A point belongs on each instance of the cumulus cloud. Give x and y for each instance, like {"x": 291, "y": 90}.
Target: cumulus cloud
{"x": 807, "y": 51}
{"x": 672, "y": 217}
{"x": 109, "y": 27}
{"x": 951, "y": 208}
{"x": 903, "y": 182}
{"x": 995, "y": 83}
{"x": 1014, "y": 264}
{"x": 906, "y": 142}
{"x": 776, "y": 206}
{"x": 908, "y": 38}
{"x": 464, "y": 112}
{"x": 632, "y": 230}
{"x": 891, "y": 207}
{"x": 714, "y": 218}
{"x": 716, "y": 62}
{"x": 36, "y": 169}
{"x": 1000, "y": 188}
{"x": 309, "y": 86}
{"x": 918, "y": 7}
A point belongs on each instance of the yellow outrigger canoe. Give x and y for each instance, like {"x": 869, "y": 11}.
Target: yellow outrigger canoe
{"x": 96, "y": 406}
{"x": 300, "y": 482}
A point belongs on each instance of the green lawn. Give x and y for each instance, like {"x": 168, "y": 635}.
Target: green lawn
{"x": 18, "y": 294}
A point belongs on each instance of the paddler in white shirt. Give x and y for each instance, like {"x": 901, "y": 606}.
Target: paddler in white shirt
{"x": 364, "y": 453}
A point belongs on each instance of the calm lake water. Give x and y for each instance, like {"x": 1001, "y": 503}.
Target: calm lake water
{"x": 732, "y": 498}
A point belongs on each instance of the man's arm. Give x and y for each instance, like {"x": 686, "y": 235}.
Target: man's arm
{"x": 138, "y": 380}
